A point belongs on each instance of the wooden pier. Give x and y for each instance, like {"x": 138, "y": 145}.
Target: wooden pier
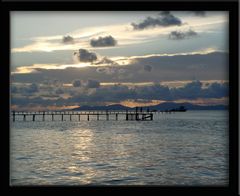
{"x": 127, "y": 115}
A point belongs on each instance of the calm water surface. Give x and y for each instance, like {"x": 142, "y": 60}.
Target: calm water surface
{"x": 189, "y": 148}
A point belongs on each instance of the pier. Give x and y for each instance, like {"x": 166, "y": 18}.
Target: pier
{"x": 68, "y": 115}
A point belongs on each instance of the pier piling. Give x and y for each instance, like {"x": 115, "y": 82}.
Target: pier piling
{"x": 13, "y": 116}
{"x": 130, "y": 115}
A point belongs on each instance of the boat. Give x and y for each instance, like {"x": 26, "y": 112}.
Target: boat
{"x": 180, "y": 109}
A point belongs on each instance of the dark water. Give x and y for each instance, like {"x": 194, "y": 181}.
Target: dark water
{"x": 188, "y": 148}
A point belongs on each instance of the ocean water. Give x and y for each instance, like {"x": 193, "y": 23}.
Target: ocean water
{"x": 180, "y": 149}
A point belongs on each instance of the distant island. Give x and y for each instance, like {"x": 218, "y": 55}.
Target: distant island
{"x": 159, "y": 107}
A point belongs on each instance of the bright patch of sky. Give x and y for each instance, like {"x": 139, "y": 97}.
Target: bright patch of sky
{"x": 136, "y": 57}
{"x": 41, "y": 33}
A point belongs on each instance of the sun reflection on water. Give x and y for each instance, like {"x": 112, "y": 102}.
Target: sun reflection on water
{"x": 81, "y": 168}
{"x": 122, "y": 153}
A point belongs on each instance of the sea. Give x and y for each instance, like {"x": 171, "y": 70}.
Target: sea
{"x": 178, "y": 149}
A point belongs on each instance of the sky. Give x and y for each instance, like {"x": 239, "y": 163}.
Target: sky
{"x": 63, "y": 60}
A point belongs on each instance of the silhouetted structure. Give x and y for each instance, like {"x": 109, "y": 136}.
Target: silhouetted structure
{"x": 180, "y": 109}
{"x": 130, "y": 115}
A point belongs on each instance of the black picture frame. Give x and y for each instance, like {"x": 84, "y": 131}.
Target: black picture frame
{"x": 232, "y": 7}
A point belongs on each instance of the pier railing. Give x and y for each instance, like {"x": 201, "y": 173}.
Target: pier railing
{"x": 129, "y": 115}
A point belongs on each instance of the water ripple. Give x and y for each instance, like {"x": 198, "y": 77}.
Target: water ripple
{"x": 179, "y": 149}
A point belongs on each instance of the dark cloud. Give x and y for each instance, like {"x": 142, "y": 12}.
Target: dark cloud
{"x": 52, "y": 82}
{"x": 59, "y": 91}
{"x": 114, "y": 71}
{"x": 180, "y": 35}
{"x": 195, "y": 90}
{"x": 113, "y": 93}
{"x": 86, "y": 56}
{"x": 106, "y": 70}
{"x": 67, "y": 39}
{"x": 101, "y": 70}
{"x": 88, "y": 83}
{"x": 155, "y": 91}
{"x": 37, "y": 101}
{"x": 211, "y": 66}
{"x": 103, "y": 41}
{"x": 122, "y": 71}
{"x": 164, "y": 19}
{"x": 147, "y": 68}
{"x": 25, "y": 90}
{"x": 216, "y": 90}
{"x": 199, "y": 13}
{"x": 107, "y": 61}
{"x": 118, "y": 93}
{"x": 92, "y": 84}
{"x": 182, "y": 67}
{"x": 49, "y": 95}
{"x": 76, "y": 83}
{"x": 31, "y": 89}
{"x": 189, "y": 91}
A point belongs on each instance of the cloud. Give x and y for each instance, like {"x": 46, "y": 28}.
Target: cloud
{"x": 106, "y": 61}
{"x": 190, "y": 90}
{"x": 155, "y": 91}
{"x": 164, "y": 19}
{"x": 116, "y": 72}
{"x": 36, "y": 101}
{"x": 117, "y": 93}
{"x": 103, "y": 41}
{"x": 180, "y": 35}
{"x": 29, "y": 90}
{"x": 25, "y": 89}
{"x": 195, "y": 90}
{"x": 216, "y": 90}
{"x": 183, "y": 66}
{"x": 106, "y": 70}
{"x": 87, "y": 84}
{"x": 52, "y": 82}
{"x": 86, "y": 56}
{"x": 76, "y": 83}
{"x": 112, "y": 94}
{"x": 92, "y": 84}
{"x": 59, "y": 91}
{"x": 123, "y": 33}
{"x": 67, "y": 39}
{"x": 208, "y": 66}
{"x": 147, "y": 68}
{"x": 121, "y": 71}
{"x": 33, "y": 88}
